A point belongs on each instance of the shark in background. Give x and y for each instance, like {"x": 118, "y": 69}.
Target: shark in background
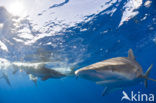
{"x": 35, "y": 70}
{"x": 45, "y": 65}
{"x": 115, "y": 73}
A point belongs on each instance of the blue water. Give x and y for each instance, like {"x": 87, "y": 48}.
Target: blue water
{"x": 96, "y": 38}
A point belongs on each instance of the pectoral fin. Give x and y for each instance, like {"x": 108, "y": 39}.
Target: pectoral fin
{"x": 108, "y": 86}
{"x": 106, "y": 91}
{"x": 33, "y": 78}
{"x": 45, "y": 78}
{"x": 35, "y": 82}
{"x": 107, "y": 82}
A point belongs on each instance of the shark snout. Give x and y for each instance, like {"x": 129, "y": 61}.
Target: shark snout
{"x": 80, "y": 73}
{"x": 87, "y": 74}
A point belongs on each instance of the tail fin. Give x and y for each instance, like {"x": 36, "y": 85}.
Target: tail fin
{"x": 146, "y": 76}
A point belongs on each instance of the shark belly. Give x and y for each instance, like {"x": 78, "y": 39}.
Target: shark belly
{"x": 116, "y": 79}
{"x": 109, "y": 79}
{"x": 96, "y": 76}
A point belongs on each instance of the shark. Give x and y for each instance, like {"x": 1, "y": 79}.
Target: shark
{"x": 40, "y": 70}
{"x": 115, "y": 73}
{"x": 35, "y": 70}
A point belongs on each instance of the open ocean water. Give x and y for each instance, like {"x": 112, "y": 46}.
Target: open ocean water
{"x": 73, "y": 34}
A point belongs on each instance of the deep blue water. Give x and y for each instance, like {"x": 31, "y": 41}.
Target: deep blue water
{"x": 96, "y": 38}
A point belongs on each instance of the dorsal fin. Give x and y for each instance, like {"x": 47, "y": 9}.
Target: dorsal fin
{"x": 131, "y": 55}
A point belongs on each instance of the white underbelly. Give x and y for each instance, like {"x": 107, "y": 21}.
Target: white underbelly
{"x": 110, "y": 76}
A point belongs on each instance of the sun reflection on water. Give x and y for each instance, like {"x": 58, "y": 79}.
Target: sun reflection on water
{"x": 17, "y": 8}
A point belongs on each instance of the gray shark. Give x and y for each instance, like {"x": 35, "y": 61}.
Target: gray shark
{"x": 35, "y": 70}
{"x": 43, "y": 72}
{"x": 39, "y": 70}
{"x": 115, "y": 73}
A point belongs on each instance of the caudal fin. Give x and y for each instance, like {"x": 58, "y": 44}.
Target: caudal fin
{"x": 146, "y": 76}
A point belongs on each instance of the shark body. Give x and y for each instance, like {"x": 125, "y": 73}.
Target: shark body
{"x": 115, "y": 73}
{"x": 38, "y": 70}
{"x": 35, "y": 70}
